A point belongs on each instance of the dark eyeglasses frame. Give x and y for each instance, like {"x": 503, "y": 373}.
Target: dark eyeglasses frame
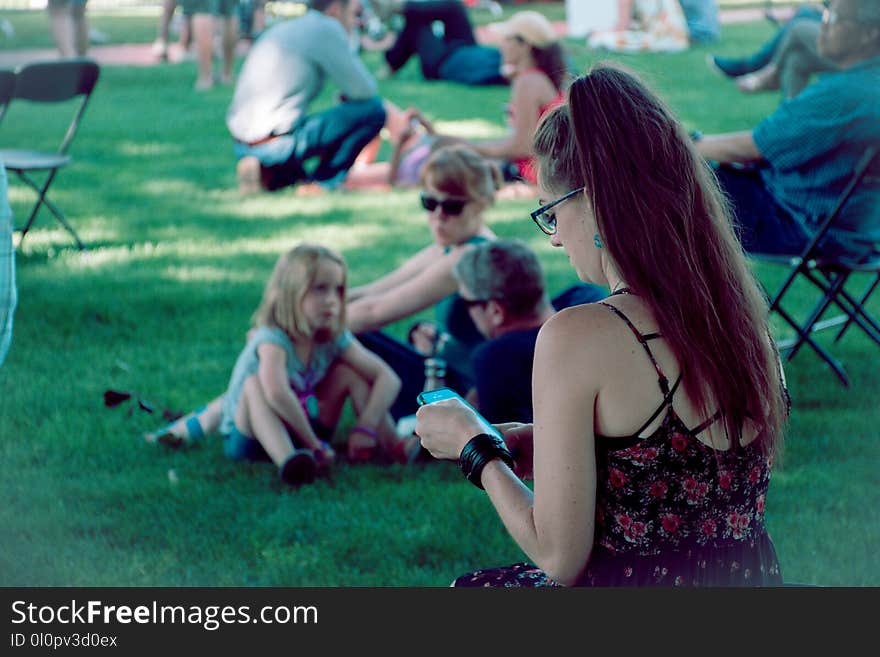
{"x": 451, "y": 207}
{"x": 545, "y": 220}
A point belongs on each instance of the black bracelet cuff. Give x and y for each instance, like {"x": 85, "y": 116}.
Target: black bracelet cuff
{"x": 478, "y": 452}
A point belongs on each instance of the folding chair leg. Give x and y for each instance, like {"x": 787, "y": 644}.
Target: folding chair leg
{"x": 44, "y": 200}
{"x": 41, "y": 192}
{"x": 859, "y": 308}
{"x": 830, "y": 360}
{"x": 863, "y": 320}
{"x": 791, "y": 348}
{"x": 818, "y": 311}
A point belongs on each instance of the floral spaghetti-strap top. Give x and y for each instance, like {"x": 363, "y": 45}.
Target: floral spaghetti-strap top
{"x": 670, "y": 510}
{"x": 673, "y": 511}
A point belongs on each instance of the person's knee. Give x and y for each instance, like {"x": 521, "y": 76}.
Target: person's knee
{"x": 252, "y": 389}
{"x": 343, "y": 378}
{"x": 373, "y": 113}
{"x": 805, "y": 33}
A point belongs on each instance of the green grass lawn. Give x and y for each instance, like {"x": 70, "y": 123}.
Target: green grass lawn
{"x": 160, "y": 303}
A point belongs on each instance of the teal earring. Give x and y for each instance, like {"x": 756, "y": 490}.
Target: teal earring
{"x": 597, "y": 241}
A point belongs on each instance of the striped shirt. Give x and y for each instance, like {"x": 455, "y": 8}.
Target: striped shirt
{"x": 812, "y": 143}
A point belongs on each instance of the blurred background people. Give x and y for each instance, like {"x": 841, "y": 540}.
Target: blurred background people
{"x": 784, "y": 176}
{"x": 283, "y": 72}
{"x": 69, "y": 26}
{"x": 208, "y": 16}
{"x": 644, "y": 26}
{"x": 786, "y": 62}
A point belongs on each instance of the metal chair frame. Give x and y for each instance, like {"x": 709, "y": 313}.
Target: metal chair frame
{"x": 830, "y": 275}
{"x": 50, "y": 82}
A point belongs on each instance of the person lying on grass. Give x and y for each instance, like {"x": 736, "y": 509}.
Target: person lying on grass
{"x": 299, "y": 366}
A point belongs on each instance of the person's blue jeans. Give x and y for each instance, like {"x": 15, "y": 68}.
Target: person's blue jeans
{"x": 334, "y": 136}
{"x": 418, "y": 38}
{"x": 763, "y": 226}
{"x": 736, "y": 66}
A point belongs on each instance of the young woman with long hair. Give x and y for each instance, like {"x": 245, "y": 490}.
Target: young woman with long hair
{"x": 659, "y": 411}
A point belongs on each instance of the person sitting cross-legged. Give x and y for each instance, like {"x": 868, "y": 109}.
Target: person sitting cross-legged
{"x": 284, "y": 71}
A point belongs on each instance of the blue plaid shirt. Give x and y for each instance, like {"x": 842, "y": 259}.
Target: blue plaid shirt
{"x": 812, "y": 143}
{"x": 7, "y": 269}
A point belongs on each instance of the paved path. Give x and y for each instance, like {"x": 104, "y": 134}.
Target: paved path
{"x": 141, "y": 54}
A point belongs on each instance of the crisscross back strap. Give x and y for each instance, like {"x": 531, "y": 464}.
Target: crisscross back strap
{"x": 662, "y": 380}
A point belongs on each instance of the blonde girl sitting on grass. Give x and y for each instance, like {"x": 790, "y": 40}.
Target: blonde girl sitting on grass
{"x": 292, "y": 378}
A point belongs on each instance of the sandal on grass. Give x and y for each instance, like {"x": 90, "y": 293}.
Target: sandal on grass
{"x": 361, "y": 447}
{"x": 166, "y": 436}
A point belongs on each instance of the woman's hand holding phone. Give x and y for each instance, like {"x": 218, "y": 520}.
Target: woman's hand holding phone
{"x": 446, "y": 423}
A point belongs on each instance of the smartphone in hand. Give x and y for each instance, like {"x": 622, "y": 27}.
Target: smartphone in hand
{"x": 440, "y": 394}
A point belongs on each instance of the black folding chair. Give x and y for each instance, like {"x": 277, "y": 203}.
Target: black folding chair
{"x": 7, "y": 88}
{"x": 50, "y": 82}
{"x": 830, "y": 275}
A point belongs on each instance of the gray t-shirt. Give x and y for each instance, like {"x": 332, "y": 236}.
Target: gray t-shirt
{"x": 286, "y": 69}
{"x": 303, "y": 378}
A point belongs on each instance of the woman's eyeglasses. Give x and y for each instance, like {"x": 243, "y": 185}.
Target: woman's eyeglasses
{"x": 451, "y": 207}
{"x": 545, "y": 219}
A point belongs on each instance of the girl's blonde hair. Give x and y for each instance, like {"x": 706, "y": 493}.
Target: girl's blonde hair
{"x": 462, "y": 173}
{"x": 294, "y": 273}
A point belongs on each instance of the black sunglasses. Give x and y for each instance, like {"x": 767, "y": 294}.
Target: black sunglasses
{"x": 451, "y": 207}
{"x": 470, "y": 303}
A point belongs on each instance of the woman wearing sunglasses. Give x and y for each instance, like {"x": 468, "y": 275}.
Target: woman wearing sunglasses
{"x": 658, "y": 411}
{"x": 458, "y": 186}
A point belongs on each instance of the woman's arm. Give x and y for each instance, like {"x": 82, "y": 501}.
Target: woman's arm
{"x": 421, "y": 289}
{"x": 556, "y": 529}
{"x": 525, "y": 106}
{"x": 406, "y": 271}
{"x": 554, "y": 525}
{"x": 384, "y": 383}
{"x": 272, "y": 374}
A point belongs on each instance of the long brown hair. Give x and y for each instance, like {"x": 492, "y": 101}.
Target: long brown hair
{"x": 666, "y": 225}
{"x": 552, "y": 62}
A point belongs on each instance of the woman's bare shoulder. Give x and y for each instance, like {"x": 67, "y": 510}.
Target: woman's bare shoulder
{"x": 533, "y": 83}
{"x": 590, "y": 326}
